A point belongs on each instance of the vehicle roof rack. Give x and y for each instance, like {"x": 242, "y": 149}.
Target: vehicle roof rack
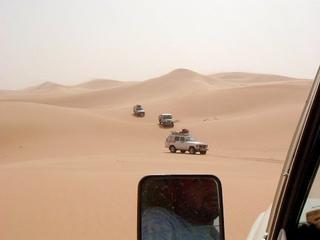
{"x": 184, "y": 132}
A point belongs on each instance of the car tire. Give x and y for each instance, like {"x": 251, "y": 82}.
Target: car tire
{"x": 203, "y": 152}
{"x": 172, "y": 149}
{"x": 183, "y": 151}
{"x": 192, "y": 150}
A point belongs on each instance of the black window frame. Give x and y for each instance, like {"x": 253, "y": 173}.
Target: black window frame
{"x": 299, "y": 178}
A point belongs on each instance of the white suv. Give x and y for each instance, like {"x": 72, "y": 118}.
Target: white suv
{"x": 166, "y": 120}
{"x": 138, "y": 110}
{"x": 183, "y": 141}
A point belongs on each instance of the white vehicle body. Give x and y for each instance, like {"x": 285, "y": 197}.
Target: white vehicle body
{"x": 258, "y": 229}
{"x": 185, "y": 142}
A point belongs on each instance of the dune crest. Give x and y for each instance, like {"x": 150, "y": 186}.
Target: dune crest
{"x": 47, "y": 86}
{"x": 100, "y": 84}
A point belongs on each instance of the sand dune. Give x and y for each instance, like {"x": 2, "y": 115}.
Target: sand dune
{"x": 178, "y": 83}
{"x": 92, "y": 84}
{"x": 42, "y": 129}
{"x": 102, "y": 83}
{"x": 242, "y": 100}
{"x": 46, "y": 86}
{"x": 243, "y": 79}
{"x": 71, "y": 156}
{"x": 179, "y": 79}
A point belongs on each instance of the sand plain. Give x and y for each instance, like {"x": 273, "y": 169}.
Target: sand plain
{"x": 71, "y": 156}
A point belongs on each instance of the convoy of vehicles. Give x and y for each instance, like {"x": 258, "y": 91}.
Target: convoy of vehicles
{"x": 183, "y": 141}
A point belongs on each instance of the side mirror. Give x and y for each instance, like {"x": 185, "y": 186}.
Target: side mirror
{"x": 180, "y": 207}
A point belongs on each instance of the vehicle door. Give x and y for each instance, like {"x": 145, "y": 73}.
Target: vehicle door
{"x": 295, "y": 213}
{"x": 302, "y": 222}
{"x": 183, "y": 144}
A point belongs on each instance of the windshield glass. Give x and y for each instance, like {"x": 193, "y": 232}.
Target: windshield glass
{"x": 167, "y": 116}
{"x": 311, "y": 209}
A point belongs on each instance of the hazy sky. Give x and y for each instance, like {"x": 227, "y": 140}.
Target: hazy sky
{"x": 71, "y": 41}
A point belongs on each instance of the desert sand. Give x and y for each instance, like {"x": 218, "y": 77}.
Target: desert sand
{"x": 71, "y": 156}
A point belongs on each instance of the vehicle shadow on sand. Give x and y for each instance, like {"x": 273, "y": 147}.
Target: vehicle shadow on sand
{"x": 165, "y": 127}
{"x": 186, "y": 153}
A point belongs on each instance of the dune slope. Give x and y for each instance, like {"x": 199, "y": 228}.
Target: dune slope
{"x": 71, "y": 156}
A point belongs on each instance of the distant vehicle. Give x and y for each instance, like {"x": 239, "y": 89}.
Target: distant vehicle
{"x": 138, "y": 111}
{"x": 166, "y": 120}
{"x": 183, "y": 141}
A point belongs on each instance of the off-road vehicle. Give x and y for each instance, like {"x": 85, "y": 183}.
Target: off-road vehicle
{"x": 166, "y": 120}
{"x": 183, "y": 141}
{"x": 138, "y": 111}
